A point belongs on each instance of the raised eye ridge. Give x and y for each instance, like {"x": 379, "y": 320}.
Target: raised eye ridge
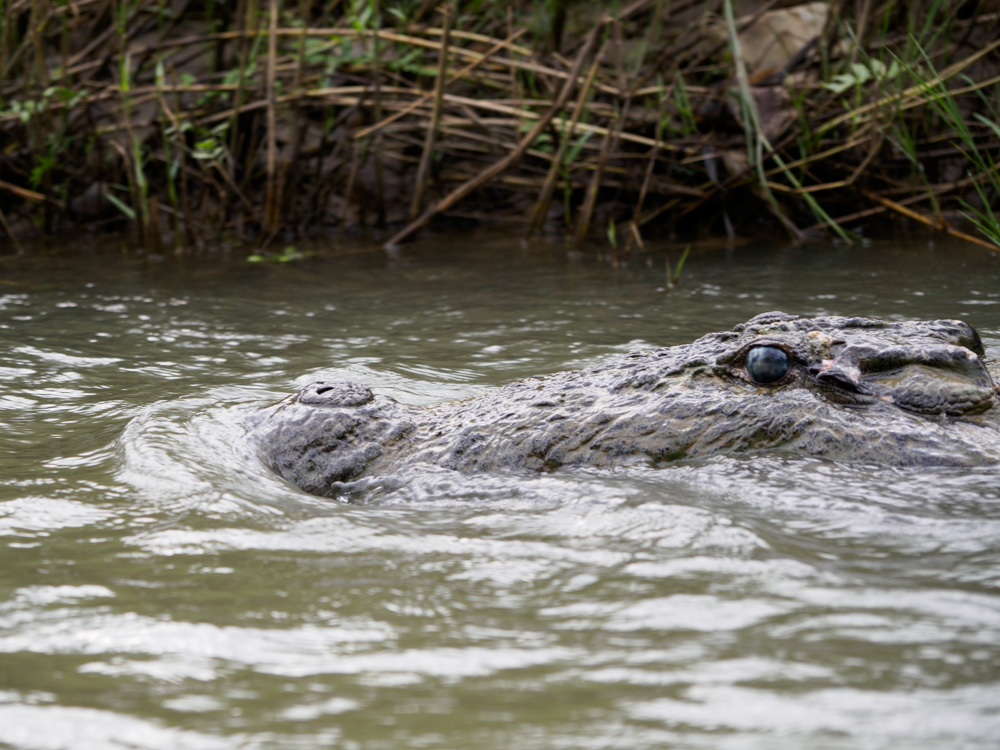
{"x": 767, "y": 364}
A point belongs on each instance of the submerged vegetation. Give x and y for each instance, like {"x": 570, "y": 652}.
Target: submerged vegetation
{"x": 200, "y": 121}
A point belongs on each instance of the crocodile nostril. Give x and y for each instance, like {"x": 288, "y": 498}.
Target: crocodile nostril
{"x": 335, "y": 394}
{"x": 836, "y": 378}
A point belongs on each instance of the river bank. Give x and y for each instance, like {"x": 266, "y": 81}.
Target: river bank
{"x": 190, "y": 123}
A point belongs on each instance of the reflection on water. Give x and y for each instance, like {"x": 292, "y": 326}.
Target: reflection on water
{"x": 158, "y": 589}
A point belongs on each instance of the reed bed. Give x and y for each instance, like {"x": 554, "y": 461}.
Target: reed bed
{"x": 207, "y": 123}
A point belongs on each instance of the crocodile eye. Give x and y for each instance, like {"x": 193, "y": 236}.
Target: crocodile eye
{"x": 767, "y": 364}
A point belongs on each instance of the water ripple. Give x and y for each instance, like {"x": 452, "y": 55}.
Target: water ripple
{"x": 159, "y": 587}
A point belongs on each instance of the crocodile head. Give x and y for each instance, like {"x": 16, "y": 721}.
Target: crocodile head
{"x": 857, "y": 389}
{"x": 912, "y": 392}
{"x": 926, "y": 367}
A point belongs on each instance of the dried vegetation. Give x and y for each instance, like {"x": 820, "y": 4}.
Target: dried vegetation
{"x": 198, "y": 122}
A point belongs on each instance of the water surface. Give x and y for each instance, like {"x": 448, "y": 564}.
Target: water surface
{"x": 158, "y": 591}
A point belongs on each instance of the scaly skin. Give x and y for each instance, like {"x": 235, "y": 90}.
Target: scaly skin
{"x": 911, "y": 393}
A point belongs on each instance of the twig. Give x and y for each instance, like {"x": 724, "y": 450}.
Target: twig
{"x": 29, "y": 195}
{"x": 940, "y": 224}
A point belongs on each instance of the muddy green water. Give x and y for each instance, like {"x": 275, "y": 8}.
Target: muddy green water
{"x": 156, "y": 592}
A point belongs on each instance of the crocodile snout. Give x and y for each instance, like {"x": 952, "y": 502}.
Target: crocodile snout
{"x": 945, "y": 379}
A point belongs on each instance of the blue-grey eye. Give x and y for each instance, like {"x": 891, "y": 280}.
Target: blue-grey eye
{"x": 767, "y": 364}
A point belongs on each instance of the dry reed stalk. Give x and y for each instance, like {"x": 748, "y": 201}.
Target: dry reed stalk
{"x": 863, "y": 15}
{"x": 379, "y": 138}
{"x": 756, "y": 141}
{"x": 376, "y": 35}
{"x": 352, "y": 177}
{"x": 18, "y": 247}
{"x": 189, "y": 224}
{"x": 133, "y": 166}
{"x": 342, "y": 32}
{"x": 6, "y": 32}
{"x": 942, "y": 189}
{"x": 38, "y": 19}
{"x": 634, "y": 231}
{"x": 586, "y": 210}
{"x": 939, "y": 224}
{"x": 174, "y": 124}
{"x": 301, "y": 56}
{"x": 488, "y": 174}
{"x": 426, "y": 97}
{"x": 96, "y": 42}
{"x": 541, "y": 209}
{"x": 271, "y": 200}
{"x": 154, "y": 239}
{"x": 28, "y": 195}
{"x": 247, "y": 15}
{"x": 435, "y": 119}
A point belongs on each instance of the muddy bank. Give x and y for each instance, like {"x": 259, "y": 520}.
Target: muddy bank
{"x": 187, "y": 122}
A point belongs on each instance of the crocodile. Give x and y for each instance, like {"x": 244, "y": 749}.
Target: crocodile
{"x": 899, "y": 393}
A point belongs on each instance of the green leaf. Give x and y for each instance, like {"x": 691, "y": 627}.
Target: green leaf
{"x": 989, "y": 123}
{"x": 680, "y": 263}
{"x": 862, "y": 73}
{"x": 45, "y": 163}
{"x": 121, "y": 206}
{"x": 577, "y": 146}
